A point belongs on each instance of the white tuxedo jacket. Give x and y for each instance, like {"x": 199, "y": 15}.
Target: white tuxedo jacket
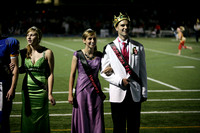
{"x": 117, "y": 92}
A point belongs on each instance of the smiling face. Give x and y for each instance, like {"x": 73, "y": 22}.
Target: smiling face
{"x": 123, "y": 29}
{"x": 90, "y": 41}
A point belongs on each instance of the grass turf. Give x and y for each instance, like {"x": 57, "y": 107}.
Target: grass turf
{"x": 160, "y": 59}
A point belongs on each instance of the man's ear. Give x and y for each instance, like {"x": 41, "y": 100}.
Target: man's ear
{"x": 116, "y": 28}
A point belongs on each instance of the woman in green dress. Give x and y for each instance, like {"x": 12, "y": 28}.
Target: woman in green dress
{"x": 38, "y": 64}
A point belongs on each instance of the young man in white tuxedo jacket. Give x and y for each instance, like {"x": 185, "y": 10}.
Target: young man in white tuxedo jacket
{"x": 125, "y": 95}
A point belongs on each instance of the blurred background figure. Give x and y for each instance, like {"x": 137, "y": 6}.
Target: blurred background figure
{"x": 175, "y": 33}
{"x": 182, "y": 40}
{"x": 197, "y": 29}
{"x": 157, "y": 30}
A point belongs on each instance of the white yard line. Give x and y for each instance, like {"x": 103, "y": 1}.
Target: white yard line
{"x": 172, "y": 54}
{"x": 154, "y": 80}
{"x": 107, "y": 91}
{"x": 149, "y": 100}
{"x": 173, "y": 91}
{"x": 162, "y": 83}
{"x": 59, "y": 92}
{"x": 109, "y": 113}
{"x": 169, "y": 100}
{"x": 171, "y": 112}
{"x": 184, "y": 67}
{"x": 148, "y": 49}
{"x": 57, "y": 45}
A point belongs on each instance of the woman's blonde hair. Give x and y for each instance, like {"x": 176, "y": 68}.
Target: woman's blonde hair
{"x": 39, "y": 34}
{"x": 182, "y": 28}
{"x": 88, "y": 32}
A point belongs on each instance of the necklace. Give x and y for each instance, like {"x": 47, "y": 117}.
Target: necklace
{"x": 91, "y": 58}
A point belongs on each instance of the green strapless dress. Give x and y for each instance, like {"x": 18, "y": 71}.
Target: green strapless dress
{"x": 38, "y": 120}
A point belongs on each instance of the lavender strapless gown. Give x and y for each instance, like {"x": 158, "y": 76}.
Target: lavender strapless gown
{"x": 88, "y": 116}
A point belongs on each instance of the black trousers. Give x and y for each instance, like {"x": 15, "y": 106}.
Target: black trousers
{"x": 127, "y": 112}
{"x": 7, "y": 107}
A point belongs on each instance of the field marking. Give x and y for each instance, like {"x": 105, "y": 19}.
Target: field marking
{"x": 58, "y": 92}
{"x": 167, "y": 53}
{"x": 154, "y": 80}
{"x": 109, "y": 113}
{"x": 111, "y": 129}
{"x": 171, "y": 127}
{"x": 184, "y": 67}
{"x": 149, "y": 100}
{"x": 57, "y": 45}
{"x": 171, "y": 112}
{"x": 166, "y": 100}
{"x": 107, "y": 91}
{"x": 162, "y": 83}
{"x": 173, "y": 90}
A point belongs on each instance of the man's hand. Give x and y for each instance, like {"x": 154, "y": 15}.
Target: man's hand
{"x": 10, "y": 95}
{"x": 125, "y": 82}
{"x": 12, "y": 66}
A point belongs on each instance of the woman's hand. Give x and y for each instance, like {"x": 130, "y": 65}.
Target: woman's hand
{"x": 70, "y": 99}
{"x": 108, "y": 71}
{"x": 52, "y": 100}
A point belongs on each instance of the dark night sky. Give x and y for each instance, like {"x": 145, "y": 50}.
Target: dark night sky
{"x": 174, "y": 8}
{"x": 165, "y": 11}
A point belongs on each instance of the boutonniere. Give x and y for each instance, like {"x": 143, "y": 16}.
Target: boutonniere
{"x": 135, "y": 52}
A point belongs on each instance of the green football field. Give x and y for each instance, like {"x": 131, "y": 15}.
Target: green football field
{"x": 173, "y": 86}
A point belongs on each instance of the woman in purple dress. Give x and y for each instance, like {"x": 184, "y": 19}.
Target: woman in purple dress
{"x": 87, "y": 116}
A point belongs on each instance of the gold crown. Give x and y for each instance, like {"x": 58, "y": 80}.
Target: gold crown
{"x": 120, "y": 18}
